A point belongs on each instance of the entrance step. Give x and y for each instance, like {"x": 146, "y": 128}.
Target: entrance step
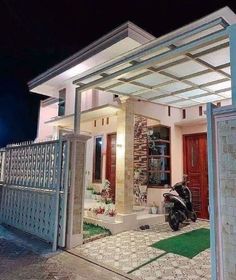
{"x": 150, "y": 219}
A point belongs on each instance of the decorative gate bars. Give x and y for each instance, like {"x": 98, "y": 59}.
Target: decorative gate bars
{"x": 35, "y": 189}
{"x": 2, "y": 157}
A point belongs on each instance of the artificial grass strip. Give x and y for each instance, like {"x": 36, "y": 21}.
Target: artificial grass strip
{"x": 188, "y": 244}
{"x": 90, "y": 230}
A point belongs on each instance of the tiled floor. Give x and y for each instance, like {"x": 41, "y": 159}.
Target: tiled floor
{"x": 128, "y": 250}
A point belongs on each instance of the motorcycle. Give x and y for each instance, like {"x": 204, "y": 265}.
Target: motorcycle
{"x": 180, "y": 206}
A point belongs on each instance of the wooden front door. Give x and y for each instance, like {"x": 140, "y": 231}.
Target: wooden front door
{"x": 195, "y": 166}
{"x": 111, "y": 162}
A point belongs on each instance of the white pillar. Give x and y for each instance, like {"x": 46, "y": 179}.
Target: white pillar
{"x": 77, "y": 144}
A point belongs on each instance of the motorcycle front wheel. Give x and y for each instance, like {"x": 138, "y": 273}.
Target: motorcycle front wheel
{"x": 174, "y": 220}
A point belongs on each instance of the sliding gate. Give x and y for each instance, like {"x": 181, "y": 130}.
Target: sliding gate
{"x": 35, "y": 188}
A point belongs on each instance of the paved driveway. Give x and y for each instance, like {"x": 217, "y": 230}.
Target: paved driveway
{"x": 131, "y": 253}
{"x": 22, "y": 258}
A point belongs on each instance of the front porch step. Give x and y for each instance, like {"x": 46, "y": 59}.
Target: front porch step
{"x": 119, "y": 226}
{"x": 150, "y": 219}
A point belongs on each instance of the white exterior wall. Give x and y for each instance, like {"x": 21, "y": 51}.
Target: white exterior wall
{"x": 193, "y": 123}
{"x": 45, "y": 113}
{"x": 99, "y": 130}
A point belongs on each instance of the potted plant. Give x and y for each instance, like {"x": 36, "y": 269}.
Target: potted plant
{"x": 99, "y": 211}
{"x": 154, "y": 208}
{"x": 110, "y": 215}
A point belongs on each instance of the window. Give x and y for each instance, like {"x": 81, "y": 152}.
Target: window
{"x": 97, "y": 160}
{"x": 62, "y": 102}
{"x": 159, "y": 158}
{"x": 200, "y": 111}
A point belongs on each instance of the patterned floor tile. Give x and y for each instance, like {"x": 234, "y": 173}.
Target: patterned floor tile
{"x": 131, "y": 249}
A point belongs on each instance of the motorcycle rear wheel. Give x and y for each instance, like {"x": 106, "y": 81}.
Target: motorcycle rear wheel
{"x": 193, "y": 217}
{"x": 174, "y": 220}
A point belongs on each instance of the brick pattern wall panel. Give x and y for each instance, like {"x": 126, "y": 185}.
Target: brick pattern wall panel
{"x": 140, "y": 147}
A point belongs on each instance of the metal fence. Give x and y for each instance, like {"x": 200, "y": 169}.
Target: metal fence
{"x": 35, "y": 189}
{"x": 2, "y": 161}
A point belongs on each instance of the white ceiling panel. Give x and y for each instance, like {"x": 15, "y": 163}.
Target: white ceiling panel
{"x": 175, "y": 86}
{"x": 132, "y": 74}
{"x": 186, "y": 68}
{"x": 206, "y": 78}
{"x": 117, "y": 68}
{"x": 163, "y": 50}
{"x": 191, "y": 93}
{"x": 208, "y": 98}
{"x": 169, "y": 61}
{"x": 217, "y": 58}
{"x": 185, "y": 103}
{"x": 127, "y": 88}
{"x": 167, "y": 99}
{"x": 220, "y": 86}
{"x": 109, "y": 83}
{"x": 209, "y": 46}
{"x": 227, "y": 70}
{"x": 226, "y": 94}
{"x": 151, "y": 94}
{"x": 153, "y": 79}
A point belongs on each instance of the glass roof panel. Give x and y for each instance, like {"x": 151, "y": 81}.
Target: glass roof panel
{"x": 219, "y": 86}
{"x": 153, "y": 79}
{"x": 175, "y": 86}
{"x": 186, "y": 68}
{"x": 217, "y": 58}
{"x": 206, "y": 78}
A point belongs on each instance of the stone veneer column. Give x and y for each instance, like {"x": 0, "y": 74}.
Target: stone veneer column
{"x": 124, "y": 159}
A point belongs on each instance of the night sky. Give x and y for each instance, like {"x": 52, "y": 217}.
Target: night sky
{"x": 35, "y": 35}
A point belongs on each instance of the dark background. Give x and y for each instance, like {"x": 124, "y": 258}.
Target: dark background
{"x": 35, "y": 35}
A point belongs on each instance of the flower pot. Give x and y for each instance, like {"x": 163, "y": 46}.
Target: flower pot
{"x": 99, "y": 216}
{"x": 154, "y": 210}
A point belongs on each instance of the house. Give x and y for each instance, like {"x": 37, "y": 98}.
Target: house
{"x": 142, "y": 102}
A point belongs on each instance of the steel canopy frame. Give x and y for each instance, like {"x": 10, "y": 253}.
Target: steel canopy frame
{"x": 137, "y": 65}
{"x": 146, "y": 50}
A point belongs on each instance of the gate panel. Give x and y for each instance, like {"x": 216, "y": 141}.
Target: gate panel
{"x": 35, "y": 188}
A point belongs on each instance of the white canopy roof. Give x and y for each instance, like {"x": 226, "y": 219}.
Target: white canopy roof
{"x": 187, "y": 67}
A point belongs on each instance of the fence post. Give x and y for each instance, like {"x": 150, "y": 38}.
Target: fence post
{"x": 57, "y": 198}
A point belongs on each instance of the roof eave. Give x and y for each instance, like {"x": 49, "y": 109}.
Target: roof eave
{"x": 127, "y": 29}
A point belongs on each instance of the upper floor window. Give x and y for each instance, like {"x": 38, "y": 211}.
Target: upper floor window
{"x": 62, "y": 102}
